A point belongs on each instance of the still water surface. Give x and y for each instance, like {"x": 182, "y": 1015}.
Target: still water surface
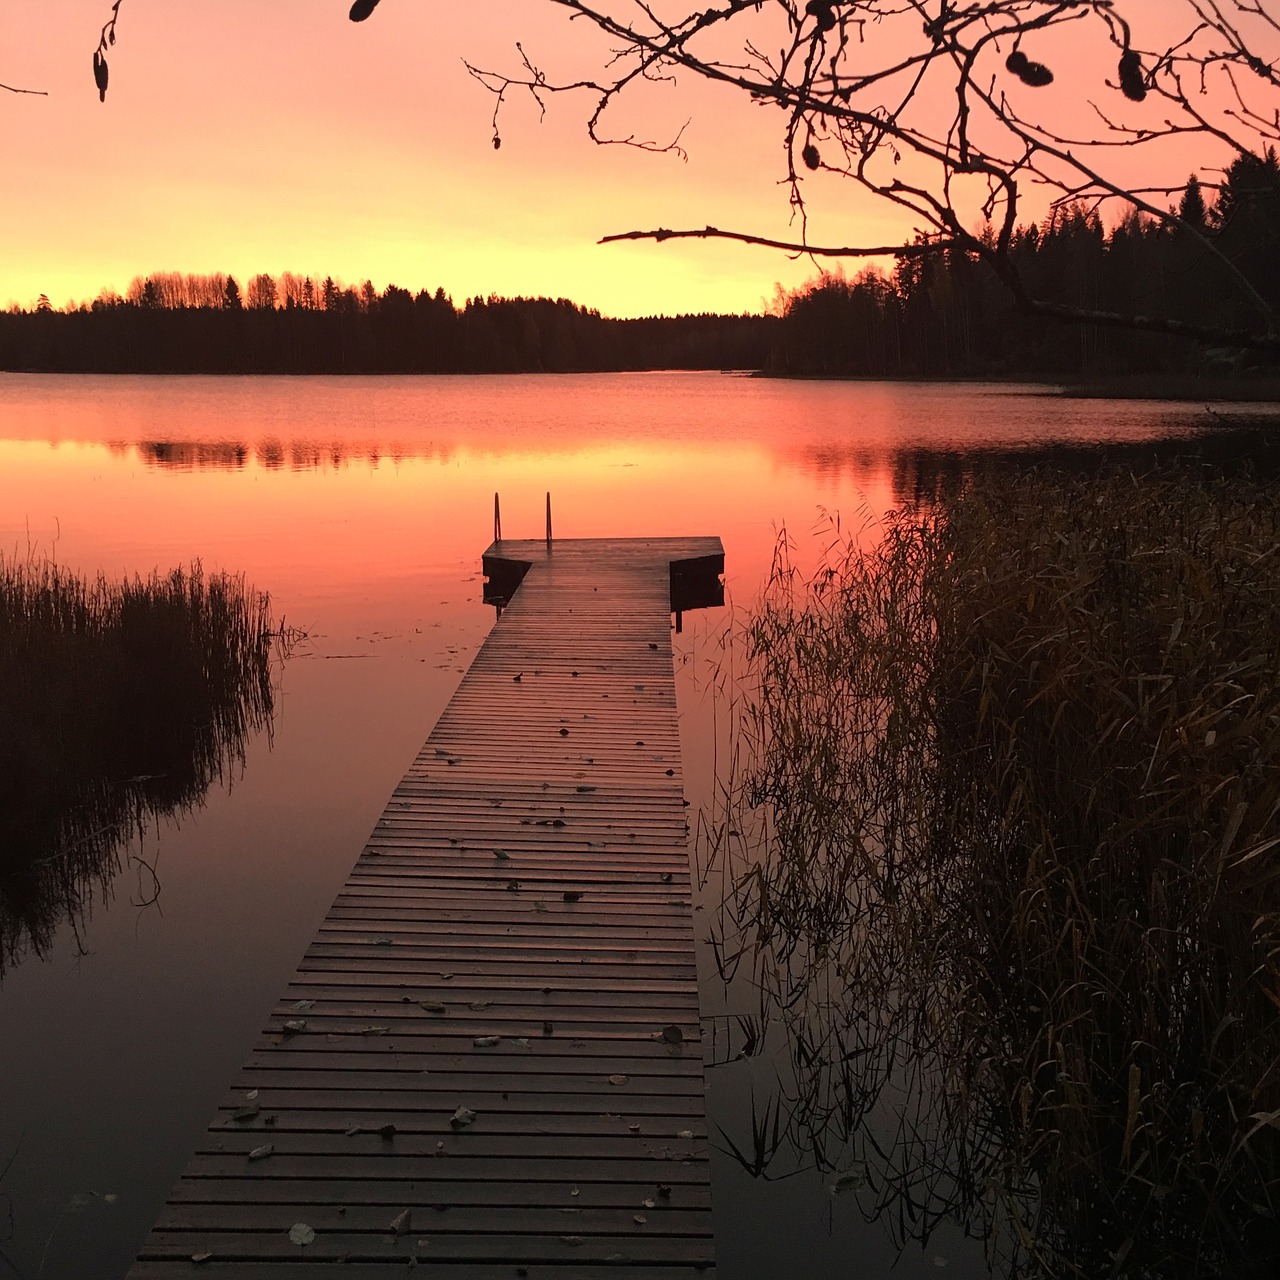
{"x": 362, "y": 507}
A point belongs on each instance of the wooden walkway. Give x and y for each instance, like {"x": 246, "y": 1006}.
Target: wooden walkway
{"x": 488, "y": 1062}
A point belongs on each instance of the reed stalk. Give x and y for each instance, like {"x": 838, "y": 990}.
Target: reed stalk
{"x": 1009, "y": 780}
{"x": 119, "y": 701}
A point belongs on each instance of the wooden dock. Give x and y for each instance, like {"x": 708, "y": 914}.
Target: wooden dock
{"x": 488, "y": 1062}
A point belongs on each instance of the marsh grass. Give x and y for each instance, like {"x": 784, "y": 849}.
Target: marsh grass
{"x": 1002, "y": 848}
{"x": 120, "y": 701}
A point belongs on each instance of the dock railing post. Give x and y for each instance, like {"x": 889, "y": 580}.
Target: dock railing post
{"x": 548, "y": 522}
{"x": 497, "y": 520}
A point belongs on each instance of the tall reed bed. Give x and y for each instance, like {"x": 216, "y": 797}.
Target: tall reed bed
{"x": 119, "y": 701}
{"x": 1004, "y": 846}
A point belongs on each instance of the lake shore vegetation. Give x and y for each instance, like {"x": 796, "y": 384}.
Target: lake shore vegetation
{"x": 122, "y": 701}
{"x": 1002, "y": 848}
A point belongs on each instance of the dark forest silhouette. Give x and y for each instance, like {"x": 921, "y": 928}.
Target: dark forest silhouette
{"x": 937, "y": 315}
{"x": 950, "y": 314}
{"x": 174, "y": 323}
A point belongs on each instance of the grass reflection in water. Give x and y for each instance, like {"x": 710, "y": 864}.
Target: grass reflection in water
{"x": 120, "y": 702}
{"x": 1002, "y": 856}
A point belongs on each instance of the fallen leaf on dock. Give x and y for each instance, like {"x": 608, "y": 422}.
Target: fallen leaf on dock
{"x": 402, "y": 1222}
{"x": 247, "y": 1112}
{"x": 485, "y": 1042}
{"x": 301, "y": 1233}
{"x": 672, "y": 1034}
{"x": 477, "y": 1005}
{"x": 573, "y": 895}
{"x": 462, "y": 1117}
{"x": 303, "y": 1005}
{"x": 617, "y": 1078}
{"x": 432, "y": 1006}
{"x": 501, "y": 854}
{"x": 262, "y": 1152}
{"x": 198, "y": 1258}
{"x": 295, "y": 1026}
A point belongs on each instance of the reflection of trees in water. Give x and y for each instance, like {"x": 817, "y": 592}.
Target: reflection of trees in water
{"x": 273, "y": 454}
{"x": 1000, "y": 866}
{"x": 121, "y": 702}
{"x": 922, "y": 474}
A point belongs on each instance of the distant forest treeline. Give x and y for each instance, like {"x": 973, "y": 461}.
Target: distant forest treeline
{"x": 937, "y": 315}
{"x": 175, "y": 323}
{"x": 949, "y": 314}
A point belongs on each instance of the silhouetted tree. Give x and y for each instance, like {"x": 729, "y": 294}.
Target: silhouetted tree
{"x": 262, "y": 293}
{"x": 1191, "y": 209}
{"x": 953, "y": 86}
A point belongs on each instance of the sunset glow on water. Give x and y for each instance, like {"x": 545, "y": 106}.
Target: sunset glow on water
{"x": 362, "y": 507}
{"x": 239, "y": 277}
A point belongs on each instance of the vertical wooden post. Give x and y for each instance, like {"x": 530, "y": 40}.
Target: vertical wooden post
{"x": 497, "y": 520}
{"x": 548, "y": 520}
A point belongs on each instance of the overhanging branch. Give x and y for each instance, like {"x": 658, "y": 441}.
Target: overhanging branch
{"x": 796, "y": 247}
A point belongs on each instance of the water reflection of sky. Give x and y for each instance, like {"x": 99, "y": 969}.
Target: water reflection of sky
{"x": 362, "y": 507}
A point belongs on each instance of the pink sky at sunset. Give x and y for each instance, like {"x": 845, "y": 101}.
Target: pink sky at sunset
{"x": 248, "y": 137}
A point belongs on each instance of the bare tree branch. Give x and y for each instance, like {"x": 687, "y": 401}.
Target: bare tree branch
{"x": 863, "y": 85}
{"x": 796, "y": 247}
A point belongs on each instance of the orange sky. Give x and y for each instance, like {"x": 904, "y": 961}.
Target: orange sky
{"x": 246, "y": 136}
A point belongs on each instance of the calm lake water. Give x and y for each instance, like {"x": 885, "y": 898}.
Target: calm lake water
{"x": 362, "y": 507}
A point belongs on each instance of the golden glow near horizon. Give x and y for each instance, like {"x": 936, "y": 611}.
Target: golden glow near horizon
{"x": 244, "y": 137}
{"x": 248, "y": 137}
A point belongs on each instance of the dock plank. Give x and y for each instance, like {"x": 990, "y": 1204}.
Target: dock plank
{"x": 514, "y": 939}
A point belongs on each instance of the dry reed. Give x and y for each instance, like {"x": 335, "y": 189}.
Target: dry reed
{"x": 1004, "y": 846}
{"x": 119, "y": 701}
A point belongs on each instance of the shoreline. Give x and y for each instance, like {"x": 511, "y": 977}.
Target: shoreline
{"x": 1163, "y": 387}
{"x": 1136, "y": 386}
